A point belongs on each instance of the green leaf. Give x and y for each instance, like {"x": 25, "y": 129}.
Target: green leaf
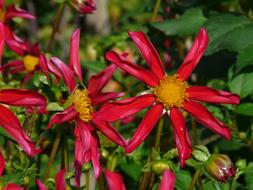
{"x": 245, "y": 109}
{"x": 212, "y": 185}
{"x": 183, "y": 179}
{"x": 189, "y": 23}
{"x": 249, "y": 176}
{"x": 231, "y": 145}
{"x": 245, "y": 57}
{"x": 131, "y": 169}
{"x": 242, "y": 84}
{"x": 54, "y": 106}
{"x": 227, "y": 31}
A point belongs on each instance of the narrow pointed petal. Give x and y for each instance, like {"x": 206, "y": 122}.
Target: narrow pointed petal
{"x": 2, "y": 164}
{"x": 2, "y": 39}
{"x": 13, "y": 186}
{"x": 194, "y": 55}
{"x": 147, "y": 124}
{"x": 66, "y": 73}
{"x": 67, "y": 115}
{"x": 60, "y": 180}
{"x": 40, "y": 185}
{"x": 114, "y": 180}
{"x": 10, "y": 123}
{"x": 113, "y": 111}
{"x": 74, "y": 61}
{"x": 22, "y": 97}
{"x": 138, "y": 72}
{"x": 97, "y": 82}
{"x": 2, "y": 2}
{"x": 13, "y": 66}
{"x": 95, "y": 155}
{"x": 207, "y": 94}
{"x": 105, "y": 97}
{"x": 181, "y": 135}
{"x": 110, "y": 132}
{"x": 43, "y": 63}
{"x": 17, "y": 47}
{"x": 168, "y": 180}
{"x": 54, "y": 70}
{"x": 203, "y": 116}
{"x": 14, "y": 11}
{"x": 149, "y": 53}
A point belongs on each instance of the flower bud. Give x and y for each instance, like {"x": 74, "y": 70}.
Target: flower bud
{"x": 160, "y": 165}
{"x": 219, "y": 166}
{"x": 83, "y": 6}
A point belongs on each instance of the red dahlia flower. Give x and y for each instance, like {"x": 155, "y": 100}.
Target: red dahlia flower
{"x": 7, "y": 35}
{"x": 9, "y": 121}
{"x": 169, "y": 94}
{"x": 82, "y": 103}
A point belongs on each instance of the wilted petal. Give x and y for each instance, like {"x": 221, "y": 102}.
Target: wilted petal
{"x": 181, "y": 135}
{"x": 22, "y": 97}
{"x": 202, "y": 115}
{"x": 67, "y": 115}
{"x": 207, "y": 94}
{"x": 105, "y": 97}
{"x": 135, "y": 70}
{"x": 14, "y": 11}
{"x": 74, "y": 61}
{"x": 98, "y": 81}
{"x": 149, "y": 53}
{"x": 110, "y": 132}
{"x": 60, "y": 180}
{"x": 113, "y": 111}
{"x": 40, "y": 185}
{"x": 13, "y": 186}
{"x": 86, "y": 7}
{"x": 147, "y": 124}
{"x": 2, "y": 164}
{"x": 10, "y": 123}
{"x": 114, "y": 180}
{"x": 66, "y": 73}
{"x": 168, "y": 180}
{"x": 2, "y": 39}
{"x": 194, "y": 55}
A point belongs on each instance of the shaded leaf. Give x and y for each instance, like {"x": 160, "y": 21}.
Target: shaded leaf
{"x": 245, "y": 109}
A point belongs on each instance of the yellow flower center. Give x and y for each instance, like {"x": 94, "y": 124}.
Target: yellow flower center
{"x": 82, "y": 103}
{"x": 30, "y": 62}
{"x": 2, "y": 15}
{"x": 171, "y": 91}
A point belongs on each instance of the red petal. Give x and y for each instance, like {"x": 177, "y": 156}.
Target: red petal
{"x": 22, "y": 97}
{"x": 13, "y": 67}
{"x": 147, "y": 124}
{"x": 114, "y": 180}
{"x": 168, "y": 180}
{"x": 181, "y": 135}
{"x": 2, "y": 164}
{"x": 135, "y": 70}
{"x": 194, "y": 55}
{"x": 207, "y": 94}
{"x": 97, "y": 82}
{"x": 67, "y": 115}
{"x": 202, "y": 115}
{"x": 113, "y": 111}
{"x": 13, "y": 186}
{"x": 95, "y": 155}
{"x": 12, "y": 126}
{"x": 105, "y": 97}
{"x": 13, "y": 11}
{"x": 149, "y": 53}
{"x": 110, "y": 132}
{"x": 2, "y": 2}
{"x": 74, "y": 61}
{"x": 66, "y": 73}
{"x": 60, "y": 180}
{"x": 43, "y": 63}
{"x": 40, "y": 185}
{"x": 87, "y": 7}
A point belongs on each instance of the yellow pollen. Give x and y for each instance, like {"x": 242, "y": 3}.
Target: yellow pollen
{"x": 30, "y": 62}
{"x": 171, "y": 91}
{"x": 2, "y": 15}
{"x": 82, "y": 103}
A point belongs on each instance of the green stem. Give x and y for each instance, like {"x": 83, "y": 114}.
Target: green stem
{"x": 194, "y": 179}
{"x": 113, "y": 163}
{"x": 87, "y": 180}
{"x": 159, "y": 134}
{"x": 64, "y": 154}
{"x": 156, "y": 9}
{"x": 56, "y": 24}
{"x": 195, "y": 132}
{"x": 232, "y": 183}
{"x": 52, "y": 155}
